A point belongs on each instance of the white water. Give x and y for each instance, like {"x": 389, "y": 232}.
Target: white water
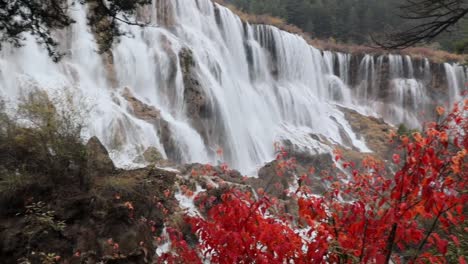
{"x": 260, "y": 83}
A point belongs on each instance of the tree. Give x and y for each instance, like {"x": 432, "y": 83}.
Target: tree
{"x": 365, "y": 217}
{"x": 40, "y": 17}
{"x": 432, "y": 18}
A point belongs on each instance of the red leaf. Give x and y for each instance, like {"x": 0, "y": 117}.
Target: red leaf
{"x": 462, "y": 260}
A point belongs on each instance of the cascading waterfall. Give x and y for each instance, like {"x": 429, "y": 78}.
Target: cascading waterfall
{"x": 404, "y": 90}
{"x": 457, "y": 78}
{"x": 217, "y": 82}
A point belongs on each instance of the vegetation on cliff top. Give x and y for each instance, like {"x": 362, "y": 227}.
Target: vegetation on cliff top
{"x": 333, "y": 42}
{"x": 354, "y": 22}
{"x": 345, "y": 26}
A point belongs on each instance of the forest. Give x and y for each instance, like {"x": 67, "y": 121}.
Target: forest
{"x": 349, "y": 21}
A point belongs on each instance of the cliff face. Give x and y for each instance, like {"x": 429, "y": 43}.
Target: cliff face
{"x": 400, "y": 88}
{"x": 432, "y": 74}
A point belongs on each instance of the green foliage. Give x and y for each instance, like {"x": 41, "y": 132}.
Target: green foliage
{"x": 40, "y": 219}
{"x": 403, "y": 130}
{"x": 49, "y": 258}
{"x": 344, "y": 20}
{"x": 11, "y": 182}
{"x": 461, "y": 47}
{"x": 41, "y": 140}
{"x": 347, "y": 21}
{"x": 34, "y": 16}
{"x": 120, "y": 185}
{"x": 43, "y": 258}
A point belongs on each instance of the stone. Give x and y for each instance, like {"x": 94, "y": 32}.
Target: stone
{"x": 374, "y": 131}
{"x": 152, "y": 155}
{"x": 140, "y": 109}
{"x": 196, "y": 100}
{"x": 99, "y": 161}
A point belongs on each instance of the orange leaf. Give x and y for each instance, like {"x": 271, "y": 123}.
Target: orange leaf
{"x": 440, "y": 110}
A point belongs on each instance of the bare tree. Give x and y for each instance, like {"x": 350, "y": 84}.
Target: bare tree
{"x": 430, "y": 18}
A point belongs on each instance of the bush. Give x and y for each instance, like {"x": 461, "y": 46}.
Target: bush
{"x": 403, "y": 130}
{"x": 414, "y": 214}
{"x": 39, "y": 139}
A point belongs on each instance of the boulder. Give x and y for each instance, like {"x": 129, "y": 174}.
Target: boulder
{"x": 374, "y": 131}
{"x": 152, "y": 155}
{"x": 99, "y": 161}
{"x": 271, "y": 181}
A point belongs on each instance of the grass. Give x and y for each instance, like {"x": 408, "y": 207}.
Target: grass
{"x": 10, "y": 182}
{"x": 115, "y": 184}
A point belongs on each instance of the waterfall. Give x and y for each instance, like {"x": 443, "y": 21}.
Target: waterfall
{"x": 457, "y": 77}
{"x": 216, "y": 82}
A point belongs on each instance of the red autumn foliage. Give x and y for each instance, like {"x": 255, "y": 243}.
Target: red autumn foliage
{"x": 366, "y": 216}
{"x": 238, "y": 231}
{"x": 181, "y": 252}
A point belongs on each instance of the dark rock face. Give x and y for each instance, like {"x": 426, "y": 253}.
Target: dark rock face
{"x": 153, "y": 116}
{"x": 199, "y": 107}
{"x": 99, "y": 161}
{"x": 115, "y": 221}
{"x": 167, "y": 140}
{"x": 271, "y": 182}
{"x": 274, "y": 179}
{"x": 437, "y": 85}
{"x": 438, "y": 82}
{"x": 197, "y": 102}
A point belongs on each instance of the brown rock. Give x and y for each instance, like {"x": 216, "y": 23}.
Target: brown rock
{"x": 99, "y": 161}
{"x": 152, "y": 155}
{"x": 165, "y": 13}
{"x": 374, "y": 130}
{"x": 197, "y": 103}
{"x": 140, "y": 109}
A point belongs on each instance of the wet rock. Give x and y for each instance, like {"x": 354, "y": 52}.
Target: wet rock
{"x": 196, "y": 100}
{"x": 170, "y": 145}
{"x": 108, "y": 61}
{"x": 152, "y": 155}
{"x": 374, "y": 131}
{"x": 275, "y": 178}
{"x": 165, "y": 13}
{"x": 225, "y": 174}
{"x": 99, "y": 161}
{"x": 438, "y": 83}
{"x": 153, "y": 116}
{"x": 100, "y": 24}
{"x": 199, "y": 107}
{"x": 140, "y": 109}
{"x": 271, "y": 181}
